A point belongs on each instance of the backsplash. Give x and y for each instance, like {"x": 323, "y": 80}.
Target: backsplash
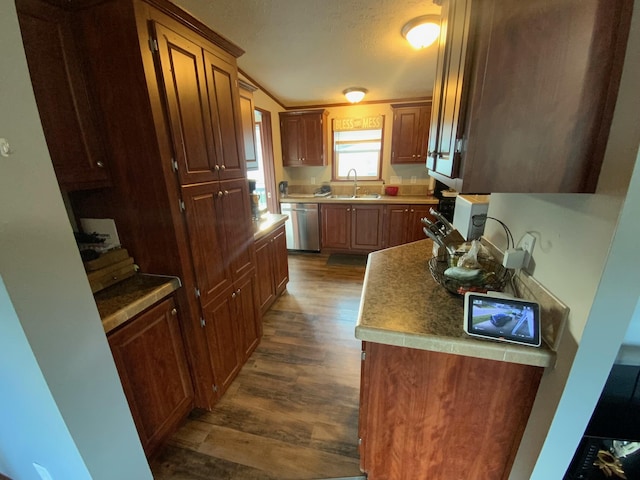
{"x": 345, "y": 188}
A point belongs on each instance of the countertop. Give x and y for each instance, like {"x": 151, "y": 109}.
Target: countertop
{"x": 402, "y": 305}
{"x": 384, "y": 199}
{"x": 267, "y": 224}
{"x": 125, "y": 300}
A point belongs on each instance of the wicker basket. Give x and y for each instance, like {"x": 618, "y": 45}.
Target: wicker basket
{"x": 495, "y": 275}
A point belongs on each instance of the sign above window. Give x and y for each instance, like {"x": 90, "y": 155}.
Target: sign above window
{"x": 358, "y": 123}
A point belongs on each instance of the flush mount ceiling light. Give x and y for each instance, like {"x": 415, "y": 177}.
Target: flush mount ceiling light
{"x": 355, "y": 94}
{"x": 422, "y": 31}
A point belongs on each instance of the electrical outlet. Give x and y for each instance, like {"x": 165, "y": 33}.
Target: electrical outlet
{"x": 313, "y": 180}
{"x": 414, "y": 179}
{"x": 527, "y": 243}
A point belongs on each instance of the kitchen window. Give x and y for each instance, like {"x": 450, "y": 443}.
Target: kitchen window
{"x": 357, "y": 144}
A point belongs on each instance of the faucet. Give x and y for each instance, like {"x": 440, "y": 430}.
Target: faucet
{"x": 355, "y": 181}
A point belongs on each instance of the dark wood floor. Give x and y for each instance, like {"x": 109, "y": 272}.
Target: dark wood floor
{"x": 292, "y": 413}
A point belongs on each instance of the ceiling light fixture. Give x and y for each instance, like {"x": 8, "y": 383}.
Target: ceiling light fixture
{"x": 355, "y": 94}
{"x": 422, "y": 31}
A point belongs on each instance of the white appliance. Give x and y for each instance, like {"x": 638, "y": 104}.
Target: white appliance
{"x": 468, "y": 207}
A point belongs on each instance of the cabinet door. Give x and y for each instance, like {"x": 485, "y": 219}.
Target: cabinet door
{"x": 149, "y": 355}
{"x": 205, "y": 223}
{"x": 281, "y": 260}
{"x": 190, "y": 118}
{"x": 406, "y": 135}
{"x": 238, "y": 229}
{"x": 225, "y": 347}
{"x": 336, "y": 226}
{"x": 249, "y": 319}
{"x": 366, "y": 227}
{"x": 313, "y": 140}
{"x": 414, "y": 224}
{"x": 222, "y": 82}
{"x": 264, "y": 271}
{"x": 291, "y": 131}
{"x": 70, "y": 124}
{"x": 447, "y": 109}
{"x": 396, "y": 220}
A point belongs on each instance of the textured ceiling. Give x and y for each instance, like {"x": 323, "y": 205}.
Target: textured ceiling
{"x": 306, "y": 52}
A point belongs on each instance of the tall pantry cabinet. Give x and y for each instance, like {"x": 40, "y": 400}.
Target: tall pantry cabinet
{"x": 166, "y": 87}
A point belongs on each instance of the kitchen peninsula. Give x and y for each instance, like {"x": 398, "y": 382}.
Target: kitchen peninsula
{"x": 435, "y": 403}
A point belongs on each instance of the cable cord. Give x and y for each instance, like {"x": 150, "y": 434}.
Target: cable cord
{"x": 480, "y": 220}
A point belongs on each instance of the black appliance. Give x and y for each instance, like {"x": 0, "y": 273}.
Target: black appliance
{"x": 446, "y": 205}
{"x": 283, "y": 188}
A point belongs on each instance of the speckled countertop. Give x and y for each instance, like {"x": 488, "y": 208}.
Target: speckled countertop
{"x": 126, "y": 299}
{"x": 402, "y": 305}
{"x": 267, "y": 224}
{"x": 384, "y": 199}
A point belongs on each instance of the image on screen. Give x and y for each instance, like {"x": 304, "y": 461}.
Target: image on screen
{"x": 506, "y": 319}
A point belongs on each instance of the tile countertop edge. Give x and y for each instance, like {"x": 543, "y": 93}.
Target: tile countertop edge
{"x": 417, "y": 316}
{"x": 137, "y": 306}
{"x": 267, "y": 224}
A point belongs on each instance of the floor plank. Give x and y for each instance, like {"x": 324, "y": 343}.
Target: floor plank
{"x": 292, "y": 412}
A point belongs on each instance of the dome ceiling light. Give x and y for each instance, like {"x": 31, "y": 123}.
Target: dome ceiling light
{"x": 355, "y": 94}
{"x": 422, "y": 31}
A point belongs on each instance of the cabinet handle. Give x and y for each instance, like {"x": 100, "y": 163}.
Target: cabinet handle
{"x": 238, "y": 291}
{"x": 412, "y": 210}
{"x": 100, "y": 164}
{"x": 223, "y": 167}
{"x": 414, "y": 156}
{"x": 406, "y": 209}
{"x": 233, "y": 295}
{"x": 348, "y": 209}
{"x": 174, "y": 312}
{"x": 217, "y": 167}
{"x": 220, "y": 194}
{"x": 226, "y": 192}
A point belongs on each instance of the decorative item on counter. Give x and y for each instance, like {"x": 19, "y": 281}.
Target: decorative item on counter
{"x": 391, "y": 190}
{"x": 471, "y": 271}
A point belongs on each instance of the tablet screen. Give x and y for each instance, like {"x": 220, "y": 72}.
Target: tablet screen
{"x": 507, "y": 319}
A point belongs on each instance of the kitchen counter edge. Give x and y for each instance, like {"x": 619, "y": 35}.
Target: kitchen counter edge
{"x": 383, "y": 200}
{"x": 267, "y": 224}
{"x": 402, "y": 305}
{"x": 125, "y": 300}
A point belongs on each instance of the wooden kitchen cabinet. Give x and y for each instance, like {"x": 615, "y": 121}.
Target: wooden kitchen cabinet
{"x": 304, "y": 138}
{"x": 403, "y": 223}
{"x": 203, "y": 106}
{"x": 410, "y": 133}
{"x": 525, "y": 92}
{"x": 150, "y": 359}
{"x": 272, "y": 267}
{"x": 352, "y": 227}
{"x": 422, "y": 412}
{"x": 69, "y": 120}
{"x": 179, "y": 196}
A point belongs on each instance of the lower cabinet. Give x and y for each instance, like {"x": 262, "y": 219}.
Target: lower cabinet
{"x": 403, "y": 223}
{"x": 440, "y": 416}
{"x": 272, "y": 267}
{"x": 232, "y": 324}
{"x": 149, "y": 355}
{"x": 356, "y": 228}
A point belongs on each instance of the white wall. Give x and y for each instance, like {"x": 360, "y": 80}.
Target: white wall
{"x": 48, "y": 288}
{"x": 573, "y": 250}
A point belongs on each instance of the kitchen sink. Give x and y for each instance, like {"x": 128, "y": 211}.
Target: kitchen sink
{"x": 363, "y": 196}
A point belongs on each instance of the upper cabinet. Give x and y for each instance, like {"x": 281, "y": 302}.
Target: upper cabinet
{"x": 201, "y": 89}
{"x": 68, "y": 118}
{"x": 304, "y": 138}
{"x": 410, "y": 133}
{"x": 525, "y": 92}
{"x": 248, "y": 125}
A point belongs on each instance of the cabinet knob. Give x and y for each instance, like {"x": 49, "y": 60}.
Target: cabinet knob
{"x": 100, "y": 164}
{"x": 348, "y": 209}
{"x": 226, "y": 192}
{"x": 217, "y": 167}
{"x": 406, "y": 209}
{"x": 238, "y": 291}
{"x": 233, "y": 295}
{"x": 414, "y": 156}
{"x": 223, "y": 167}
{"x": 220, "y": 194}
{"x": 174, "y": 312}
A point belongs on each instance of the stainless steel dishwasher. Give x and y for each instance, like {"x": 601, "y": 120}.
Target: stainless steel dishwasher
{"x": 302, "y": 226}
